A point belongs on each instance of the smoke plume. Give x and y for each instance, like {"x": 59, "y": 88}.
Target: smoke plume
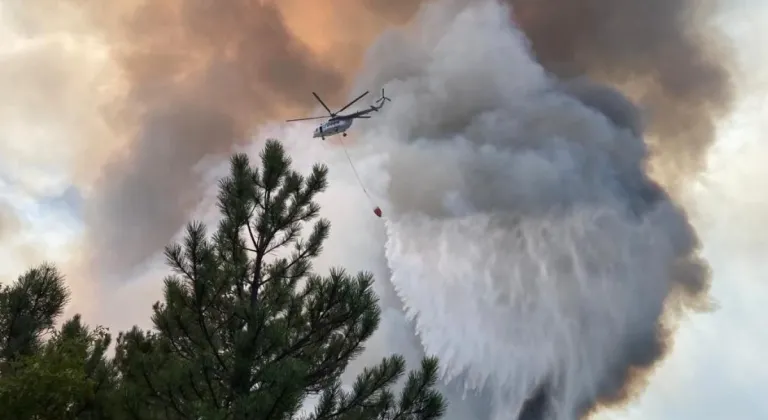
{"x": 200, "y": 74}
{"x": 525, "y": 239}
{"x": 537, "y": 183}
{"x": 665, "y": 54}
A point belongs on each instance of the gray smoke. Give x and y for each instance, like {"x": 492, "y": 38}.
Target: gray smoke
{"x": 200, "y": 75}
{"x": 666, "y": 54}
{"x": 528, "y": 245}
{"x": 535, "y": 183}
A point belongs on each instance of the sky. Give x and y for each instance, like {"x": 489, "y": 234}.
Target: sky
{"x": 718, "y": 357}
{"x": 714, "y": 371}
{"x": 716, "y": 368}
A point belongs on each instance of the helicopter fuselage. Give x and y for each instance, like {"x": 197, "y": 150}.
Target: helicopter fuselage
{"x": 332, "y": 127}
{"x": 339, "y": 124}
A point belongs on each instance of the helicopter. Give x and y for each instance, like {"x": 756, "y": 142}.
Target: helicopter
{"x": 339, "y": 124}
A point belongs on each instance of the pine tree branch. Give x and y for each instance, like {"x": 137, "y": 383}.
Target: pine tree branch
{"x": 9, "y": 351}
{"x": 210, "y": 388}
{"x": 174, "y": 405}
{"x": 416, "y": 400}
{"x": 188, "y": 353}
{"x": 276, "y": 403}
{"x": 133, "y": 413}
{"x": 301, "y": 343}
{"x": 323, "y": 370}
{"x": 217, "y": 293}
{"x": 180, "y": 324}
{"x": 173, "y": 254}
{"x": 178, "y": 349}
{"x": 194, "y": 387}
{"x": 256, "y": 282}
{"x": 370, "y": 382}
{"x": 209, "y": 340}
{"x": 181, "y": 391}
{"x": 263, "y": 246}
{"x": 157, "y": 393}
{"x": 285, "y": 241}
{"x": 253, "y": 238}
{"x": 213, "y": 347}
{"x": 284, "y": 272}
{"x": 307, "y": 341}
{"x": 97, "y": 387}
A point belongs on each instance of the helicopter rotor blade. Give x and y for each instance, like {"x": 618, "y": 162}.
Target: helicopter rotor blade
{"x": 323, "y": 104}
{"x": 305, "y": 119}
{"x": 353, "y": 101}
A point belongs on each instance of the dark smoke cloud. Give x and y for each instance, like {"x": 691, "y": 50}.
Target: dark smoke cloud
{"x": 662, "y": 53}
{"x": 397, "y": 10}
{"x": 201, "y": 74}
{"x": 466, "y": 67}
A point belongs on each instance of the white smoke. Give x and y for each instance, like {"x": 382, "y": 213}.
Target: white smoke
{"x": 523, "y": 238}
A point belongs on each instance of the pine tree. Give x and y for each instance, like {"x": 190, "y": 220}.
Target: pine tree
{"x": 28, "y": 311}
{"x": 247, "y": 330}
{"x": 67, "y": 376}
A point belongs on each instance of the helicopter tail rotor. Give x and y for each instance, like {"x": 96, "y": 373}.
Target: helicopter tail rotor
{"x": 383, "y": 97}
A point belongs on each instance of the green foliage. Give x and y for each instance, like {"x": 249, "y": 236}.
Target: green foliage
{"x": 65, "y": 377}
{"x": 28, "y": 310}
{"x": 245, "y": 329}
